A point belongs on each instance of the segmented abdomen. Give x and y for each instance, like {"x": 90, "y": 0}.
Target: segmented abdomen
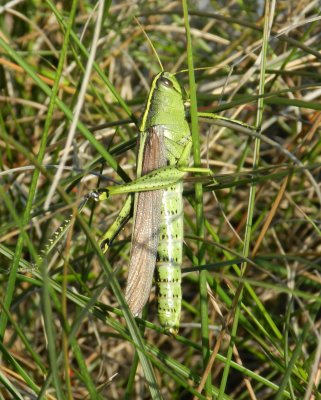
{"x": 169, "y": 258}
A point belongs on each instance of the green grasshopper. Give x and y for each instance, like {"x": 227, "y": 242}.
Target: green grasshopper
{"x": 164, "y": 147}
{"x": 163, "y": 152}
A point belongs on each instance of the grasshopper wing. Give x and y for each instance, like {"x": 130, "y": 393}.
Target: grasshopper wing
{"x": 147, "y": 210}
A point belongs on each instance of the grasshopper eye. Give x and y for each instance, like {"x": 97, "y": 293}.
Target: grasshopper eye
{"x": 166, "y": 82}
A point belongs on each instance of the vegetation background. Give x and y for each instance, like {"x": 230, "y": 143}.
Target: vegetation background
{"x": 74, "y": 79}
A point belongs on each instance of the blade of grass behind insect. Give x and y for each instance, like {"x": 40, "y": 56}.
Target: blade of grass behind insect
{"x": 31, "y": 195}
{"x": 198, "y": 197}
{"x": 268, "y": 15}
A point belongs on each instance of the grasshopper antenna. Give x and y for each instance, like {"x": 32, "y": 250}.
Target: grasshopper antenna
{"x": 150, "y": 43}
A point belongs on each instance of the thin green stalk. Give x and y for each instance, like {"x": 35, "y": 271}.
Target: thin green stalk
{"x": 291, "y": 365}
{"x": 198, "y": 198}
{"x": 64, "y": 312}
{"x": 131, "y": 379}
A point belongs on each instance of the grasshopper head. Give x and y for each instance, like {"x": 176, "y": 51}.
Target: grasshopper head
{"x": 165, "y": 105}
